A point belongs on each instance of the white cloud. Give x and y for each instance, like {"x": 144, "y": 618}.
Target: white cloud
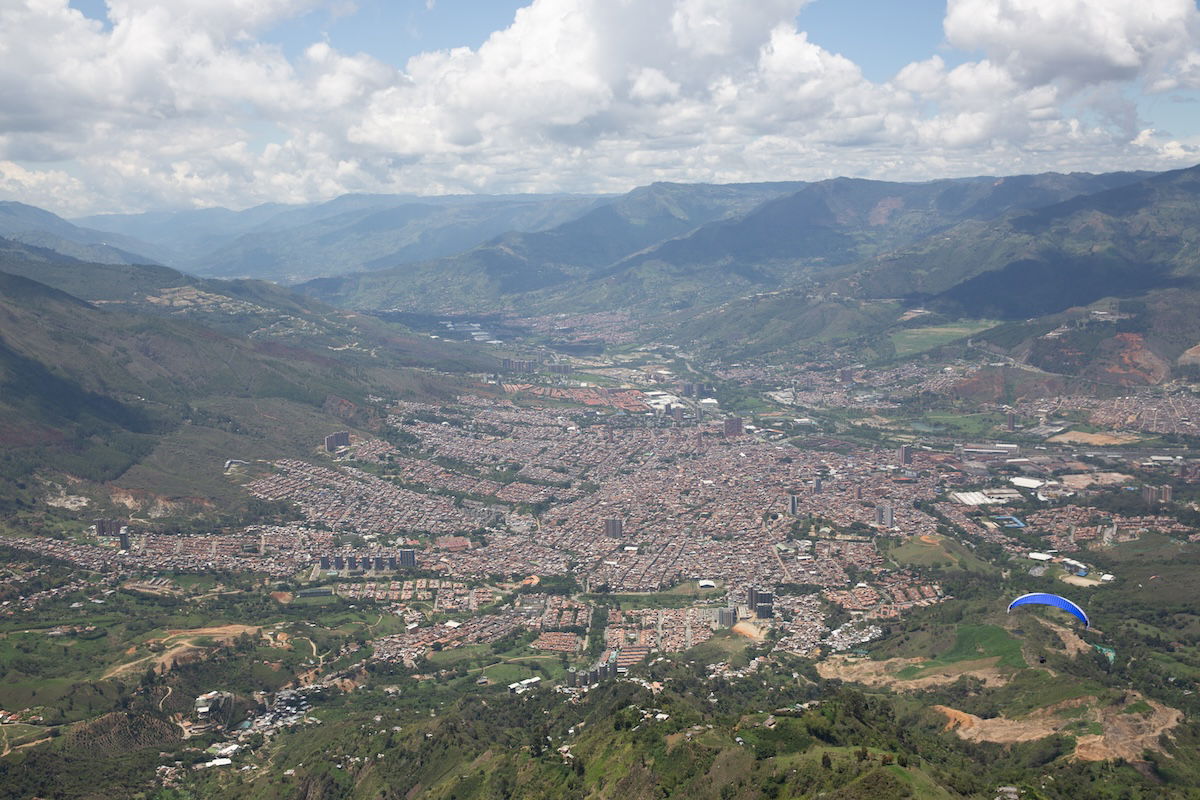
{"x": 1080, "y": 42}
{"x": 183, "y": 103}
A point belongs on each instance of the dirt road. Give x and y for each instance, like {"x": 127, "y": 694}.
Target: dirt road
{"x": 883, "y": 674}
{"x": 176, "y": 653}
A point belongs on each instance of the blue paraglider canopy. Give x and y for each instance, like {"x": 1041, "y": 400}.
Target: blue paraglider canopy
{"x": 1043, "y": 599}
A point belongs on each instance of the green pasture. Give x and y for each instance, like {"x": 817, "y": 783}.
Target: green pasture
{"x": 910, "y": 341}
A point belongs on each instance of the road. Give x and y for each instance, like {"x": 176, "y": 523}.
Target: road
{"x": 165, "y": 696}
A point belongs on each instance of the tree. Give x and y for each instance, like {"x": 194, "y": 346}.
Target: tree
{"x": 826, "y": 761}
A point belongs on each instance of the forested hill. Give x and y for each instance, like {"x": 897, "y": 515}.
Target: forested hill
{"x": 145, "y": 379}
{"x": 668, "y": 244}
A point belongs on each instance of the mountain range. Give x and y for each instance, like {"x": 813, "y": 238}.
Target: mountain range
{"x": 744, "y": 269}
{"x": 669, "y": 246}
{"x": 140, "y": 381}
{"x": 293, "y": 243}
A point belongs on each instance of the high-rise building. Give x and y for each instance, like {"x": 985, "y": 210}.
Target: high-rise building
{"x": 339, "y": 562}
{"x": 733, "y": 426}
{"x": 726, "y": 617}
{"x": 108, "y": 527}
{"x": 518, "y": 365}
{"x": 380, "y": 564}
{"x": 325, "y": 562}
{"x": 794, "y": 505}
{"x": 884, "y": 515}
{"x": 1158, "y": 494}
{"x": 335, "y": 440}
{"x": 614, "y": 528}
{"x": 408, "y": 559}
{"x": 126, "y": 544}
{"x": 755, "y": 597}
{"x": 817, "y": 486}
{"x": 1011, "y": 422}
{"x": 904, "y": 454}
{"x": 764, "y": 610}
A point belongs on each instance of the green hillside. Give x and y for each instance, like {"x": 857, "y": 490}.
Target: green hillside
{"x": 672, "y": 246}
{"x": 138, "y": 396}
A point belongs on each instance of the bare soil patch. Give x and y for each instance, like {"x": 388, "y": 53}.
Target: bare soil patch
{"x": 218, "y": 632}
{"x": 1076, "y": 580}
{"x": 1126, "y": 735}
{"x": 882, "y": 674}
{"x": 748, "y": 630}
{"x": 1075, "y": 645}
{"x": 181, "y": 647}
{"x": 1095, "y": 479}
{"x": 71, "y": 502}
{"x": 1099, "y": 439}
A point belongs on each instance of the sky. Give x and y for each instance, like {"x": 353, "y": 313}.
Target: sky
{"x": 133, "y": 105}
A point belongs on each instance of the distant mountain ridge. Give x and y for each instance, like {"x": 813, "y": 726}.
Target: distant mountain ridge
{"x": 352, "y": 232}
{"x": 1118, "y": 241}
{"x": 561, "y": 256}
{"x": 671, "y": 246}
{"x": 40, "y": 228}
{"x": 1130, "y": 252}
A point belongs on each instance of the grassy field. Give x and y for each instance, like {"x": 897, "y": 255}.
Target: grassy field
{"x": 672, "y": 598}
{"x": 911, "y": 341}
{"x": 1031, "y": 689}
{"x": 973, "y": 642}
{"x": 921, "y": 552}
{"x": 692, "y": 589}
{"x": 964, "y": 424}
{"x": 723, "y": 646}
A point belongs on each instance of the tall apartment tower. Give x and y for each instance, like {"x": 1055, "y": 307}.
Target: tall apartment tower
{"x": 108, "y": 527}
{"x": 885, "y": 516}
{"x": 733, "y": 426}
{"x": 794, "y": 505}
{"x": 762, "y": 604}
{"x": 614, "y": 528}
{"x": 1011, "y": 422}
{"x": 335, "y": 440}
{"x": 408, "y": 559}
{"x": 904, "y": 454}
